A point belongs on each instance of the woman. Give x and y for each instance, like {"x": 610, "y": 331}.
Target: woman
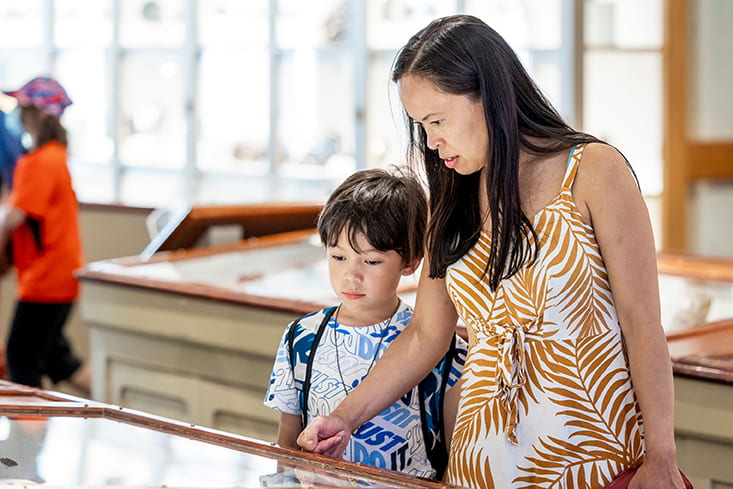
{"x": 540, "y": 240}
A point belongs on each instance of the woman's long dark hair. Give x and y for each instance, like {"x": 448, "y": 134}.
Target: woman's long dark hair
{"x": 462, "y": 55}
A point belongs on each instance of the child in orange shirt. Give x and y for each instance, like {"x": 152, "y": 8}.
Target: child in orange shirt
{"x": 41, "y": 222}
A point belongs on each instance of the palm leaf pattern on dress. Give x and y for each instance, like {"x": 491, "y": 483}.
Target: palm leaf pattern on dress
{"x": 578, "y": 265}
{"x": 597, "y": 402}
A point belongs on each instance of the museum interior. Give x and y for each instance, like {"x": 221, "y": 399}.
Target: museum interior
{"x": 205, "y": 137}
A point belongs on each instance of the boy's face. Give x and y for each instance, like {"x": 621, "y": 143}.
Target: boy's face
{"x": 365, "y": 282}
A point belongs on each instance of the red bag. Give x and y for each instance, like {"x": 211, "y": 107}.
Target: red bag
{"x": 622, "y": 480}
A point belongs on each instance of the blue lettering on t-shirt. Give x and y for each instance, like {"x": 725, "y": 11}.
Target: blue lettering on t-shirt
{"x": 365, "y": 449}
{"x": 399, "y": 461}
{"x": 363, "y": 455}
{"x": 376, "y": 435}
{"x": 367, "y": 348}
{"x": 324, "y": 386}
{"x": 400, "y": 416}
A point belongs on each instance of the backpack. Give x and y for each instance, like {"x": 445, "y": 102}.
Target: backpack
{"x": 431, "y": 407}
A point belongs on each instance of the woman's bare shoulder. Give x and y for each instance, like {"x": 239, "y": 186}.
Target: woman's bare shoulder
{"x": 603, "y": 174}
{"x": 602, "y": 157}
{"x": 600, "y": 165}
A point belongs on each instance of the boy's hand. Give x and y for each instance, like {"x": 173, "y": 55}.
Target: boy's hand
{"x": 327, "y": 435}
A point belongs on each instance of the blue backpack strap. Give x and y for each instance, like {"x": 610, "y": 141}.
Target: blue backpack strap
{"x": 433, "y": 424}
{"x": 312, "y": 341}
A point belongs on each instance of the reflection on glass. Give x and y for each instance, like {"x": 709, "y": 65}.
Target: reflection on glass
{"x": 711, "y": 70}
{"x": 390, "y": 23}
{"x": 311, "y": 24}
{"x": 687, "y": 302}
{"x": 233, "y": 110}
{"x": 22, "y": 23}
{"x": 623, "y": 23}
{"x": 82, "y": 23}
{"x": 82, "y": 73}
{"x": 229, "y": 23}
{"x": 63, "y": 451}
{"x": 21, "y": 441}
{"x": 152, "y": 128}
{"x": 316, "y": 118}
{"x": 148, "y": 23}
{"x": 628, "y": 115}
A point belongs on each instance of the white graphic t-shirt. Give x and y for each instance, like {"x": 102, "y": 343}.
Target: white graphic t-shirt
{"x": 343, "y": 358}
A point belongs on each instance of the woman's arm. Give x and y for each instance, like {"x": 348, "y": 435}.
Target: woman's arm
{"x": 405, "y": 363}
{"x": 608, "y": 196}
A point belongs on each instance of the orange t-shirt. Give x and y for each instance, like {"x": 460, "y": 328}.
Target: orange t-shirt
{"x": 42, "y": 189}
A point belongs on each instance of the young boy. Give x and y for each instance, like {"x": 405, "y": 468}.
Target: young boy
{"x": 372, "y": 227}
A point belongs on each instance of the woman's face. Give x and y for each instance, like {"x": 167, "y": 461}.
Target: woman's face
{"x": 454, "y": 124}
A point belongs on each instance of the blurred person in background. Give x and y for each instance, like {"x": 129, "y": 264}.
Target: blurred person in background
{"x": 40, "y": 222}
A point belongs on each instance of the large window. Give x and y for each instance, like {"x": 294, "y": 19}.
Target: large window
{"x": 179, "y": 102}
{"x": 623, "y": 79}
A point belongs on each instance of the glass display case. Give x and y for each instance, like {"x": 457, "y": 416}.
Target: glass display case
{"x": 190, "y": 227}
{"x": 49, "y": 439}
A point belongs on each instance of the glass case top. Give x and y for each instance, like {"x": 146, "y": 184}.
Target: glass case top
{"x": 688, "y": 302}
{"x": 75, "y": 451}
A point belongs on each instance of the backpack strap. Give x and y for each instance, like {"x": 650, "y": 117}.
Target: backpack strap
{"x": 310, "y": 353}
{"x": 445, "y": 374}
{"x": 433, "y": 427}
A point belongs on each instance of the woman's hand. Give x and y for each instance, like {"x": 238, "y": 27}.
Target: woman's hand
{"x": 653, "y": 474}
{"x": 327, "y": 435}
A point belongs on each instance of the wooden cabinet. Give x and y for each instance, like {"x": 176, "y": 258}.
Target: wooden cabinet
{"x": 703, "y": 364}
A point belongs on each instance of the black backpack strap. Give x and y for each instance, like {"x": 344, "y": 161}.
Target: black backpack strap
{"x": 328, "y": 313}
{"x": 437, "y": 450}
{"x": 445, "y": 374}
{"x": 291, "y": 340}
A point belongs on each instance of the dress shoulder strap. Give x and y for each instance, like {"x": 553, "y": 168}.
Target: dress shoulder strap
{"x": 576, "y": 153}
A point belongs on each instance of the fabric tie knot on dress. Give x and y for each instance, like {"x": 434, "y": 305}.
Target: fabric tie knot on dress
{"x": 511, "y": 368}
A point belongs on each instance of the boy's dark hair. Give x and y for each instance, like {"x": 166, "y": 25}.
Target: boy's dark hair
{"x": 388, "y": 208}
